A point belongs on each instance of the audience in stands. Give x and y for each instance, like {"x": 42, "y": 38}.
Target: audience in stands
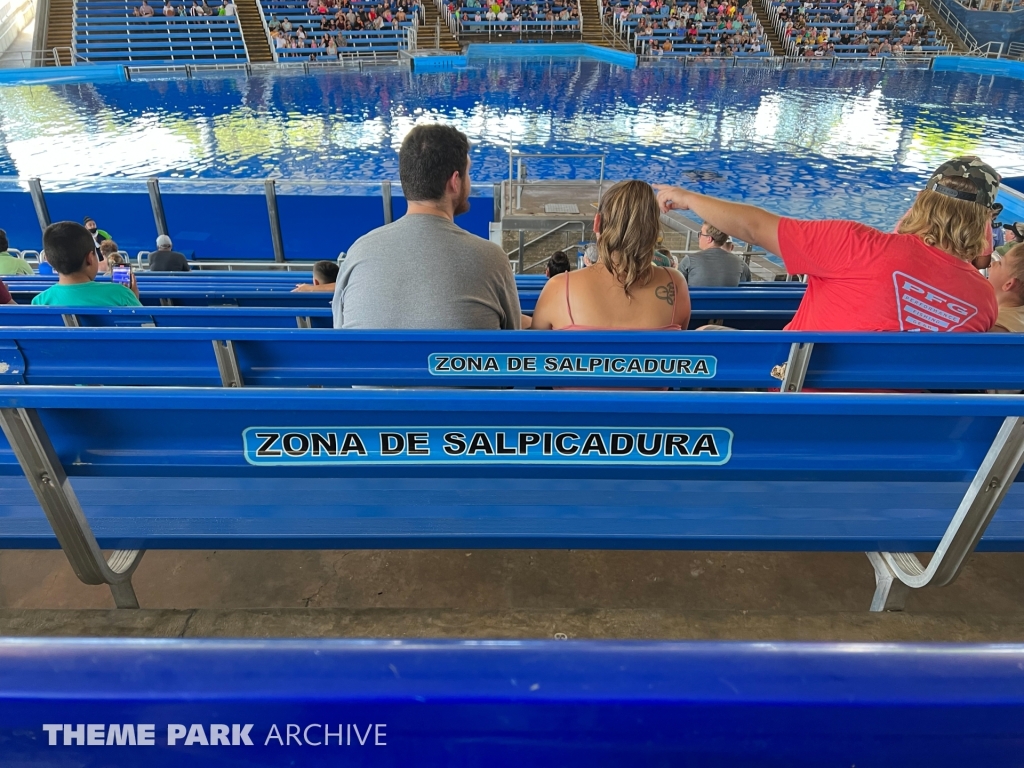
{"x": 11, "y": 265}
{"x": 168, "y": 10}
{"x": 710, "y": 29}
{"x": 861, "y": 279}
{"x": 557, "y": 264}
{"x": 72, "y": 253}
{"x": 1012, "y": 234}
{"x": 623, "y": 290}
{"x": 424, "y": 271}
{"x": 98, "y": 235}
{"x": 5, "y": 295}
{"x": 715, "y": 264}
{"x": 145, "y": 10}
{"x": 228, "y": 9}
{"x": 110, "y": 256}
{"x": 335, "y": 18}
{"x": 325, "y": 278}
{"x": 165, "y": 259}
{"x": 509, "y": 15}
{"x": 883, "y": 28}
{"x": 1007, "y": 277}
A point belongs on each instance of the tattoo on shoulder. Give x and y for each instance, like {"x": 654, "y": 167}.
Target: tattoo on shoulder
{"x": 666, "y": 293}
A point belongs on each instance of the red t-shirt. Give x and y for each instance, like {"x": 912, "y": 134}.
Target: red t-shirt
{"x": 5, "y": 295}
{"x": 860, "y": 279}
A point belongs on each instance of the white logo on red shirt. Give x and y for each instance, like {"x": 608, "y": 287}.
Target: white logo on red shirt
{"x": 925, "y": 308}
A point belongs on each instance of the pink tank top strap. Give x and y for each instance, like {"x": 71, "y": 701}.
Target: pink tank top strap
{"x": 568, "y": 306}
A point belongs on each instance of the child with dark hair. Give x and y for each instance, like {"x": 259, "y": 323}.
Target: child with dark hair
{"x": 70, "y": 250}
{"x": 325, "y": 275}
{"x": 557, "y": 264}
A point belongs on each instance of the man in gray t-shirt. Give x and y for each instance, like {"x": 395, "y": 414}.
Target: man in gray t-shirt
{"x": 423, "y": 271}
{"x": 716, "y": 265}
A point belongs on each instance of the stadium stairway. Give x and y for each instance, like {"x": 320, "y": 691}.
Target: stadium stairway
{"x": 432, "y": 16}
{"x": 59, "y": 29}
{"x": 778, "y": 49}
{"x": 594, "y": 32}
{"x": 946, "y": 31}
{"x": 253, "y": 32}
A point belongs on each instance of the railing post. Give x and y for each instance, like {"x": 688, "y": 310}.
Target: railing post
{"x": 385, "y": 193}
{"x": 35, "y": 188}
{"x": 275, "y": 219}
{"x": 157, "y": 203}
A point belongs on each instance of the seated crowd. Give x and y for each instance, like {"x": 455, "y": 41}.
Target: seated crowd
{"x": 702, "y": 28}
{"x": 885, "y": 28}
{"x": 329, "y": 19}
{"x": 425, "y": 272}
{"x": 198, "y": 8}
{"x": 509, "y": 14}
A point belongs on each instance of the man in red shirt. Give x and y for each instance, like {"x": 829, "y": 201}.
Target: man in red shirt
{"x": 861, "y": 279}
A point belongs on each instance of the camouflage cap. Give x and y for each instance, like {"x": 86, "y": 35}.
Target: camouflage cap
{"x": 972, "y": 168}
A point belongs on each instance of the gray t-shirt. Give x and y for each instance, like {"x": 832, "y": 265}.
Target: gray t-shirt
{"x": 714, "y": 267}
{"x": 425, "y": 272}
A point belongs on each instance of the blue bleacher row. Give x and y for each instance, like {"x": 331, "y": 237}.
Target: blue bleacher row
{"x": 105, "y": 31}
{"x": 434, "y": 704}
{"x": 711, "y": 36}
{"x": 545, "y": 704}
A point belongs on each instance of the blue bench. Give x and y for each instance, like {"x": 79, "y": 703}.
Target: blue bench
{"x": 293, "y": 358}
{"x": 169, "y": 468}
{"x": 436, "y": 704}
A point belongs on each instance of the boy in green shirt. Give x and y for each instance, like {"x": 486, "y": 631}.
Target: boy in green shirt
{"x": 11, "y": 265}
{"x": 71, "y": 252}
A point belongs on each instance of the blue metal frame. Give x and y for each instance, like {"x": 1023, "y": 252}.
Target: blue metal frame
{"x": 510, "y": 703}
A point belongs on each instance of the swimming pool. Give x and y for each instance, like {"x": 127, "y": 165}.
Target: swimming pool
{"x": 841, "y": 142}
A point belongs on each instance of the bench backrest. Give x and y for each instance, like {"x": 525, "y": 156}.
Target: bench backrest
{"x": 538, "y": 703}
{"x": 299, "y": 358}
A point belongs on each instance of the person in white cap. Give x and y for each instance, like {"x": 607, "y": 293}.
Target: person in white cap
{"x": 163, "y": 259}
{"x": 920, "y": 278}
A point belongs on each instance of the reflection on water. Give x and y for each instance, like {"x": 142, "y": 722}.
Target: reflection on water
{"x": 834, "y": 143}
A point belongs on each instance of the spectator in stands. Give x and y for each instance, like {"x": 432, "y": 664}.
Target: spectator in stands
{"x": 145, "y": 10}
{"x": 325, "y": 278}
{"x": 169, "y": 9}
{"x": 1007, "y": 277}
{"x": 861, "y": 279}
{"x": 557, "y": 264}
{"x": 207, "y": 10}
{"x": 98, "y": 235}
{"x": 11, "y": 265}
{"x": 165, "y": 259}
{"x": 5, "y": 295}
{"x": 286, "y": 26}
{"x": 71, "y": 252}
{"x": 110, "y": 256}
{"x": 1012, "y": 234}
{"x": 624, "y": 290}
{"x": 197, "y": 10}
{"x": 423, "y": 271}
{"x": 229, "y": 8}
{"x": 715, "y": 264}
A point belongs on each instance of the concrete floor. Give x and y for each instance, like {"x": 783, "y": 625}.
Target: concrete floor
{"x": 15, "y": 56}
{"x": 500, "y": 593}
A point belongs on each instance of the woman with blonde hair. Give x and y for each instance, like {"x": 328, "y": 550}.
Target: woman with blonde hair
{"x": 624, "y": 290}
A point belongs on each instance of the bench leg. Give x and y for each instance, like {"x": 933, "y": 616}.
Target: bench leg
{"x": 890, "y": 592}
{"x": 977, "y": 508}
{"x": 45, "y": 474}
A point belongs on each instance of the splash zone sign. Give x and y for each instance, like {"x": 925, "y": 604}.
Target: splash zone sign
{"x": 678, "y": 446}
{"x": 660, "y": 366}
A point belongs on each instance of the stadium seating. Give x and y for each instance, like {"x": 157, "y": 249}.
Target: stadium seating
{"x": 435, "y": 704}
{"x": 843, "y": 37}
{"x": 527, "y": 18}
{"x": 106, "y": 32}
{"x": 647, "y": 30}
{"x": 347, "y": 43}
{"x": 197, "y": 468}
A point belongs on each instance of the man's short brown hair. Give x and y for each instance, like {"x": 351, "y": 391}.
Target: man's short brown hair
{"x": 717, "y": 236}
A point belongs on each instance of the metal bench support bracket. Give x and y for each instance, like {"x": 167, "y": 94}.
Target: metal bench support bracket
{"x": 898, "y": 572}
{"x": 45, "y": 473}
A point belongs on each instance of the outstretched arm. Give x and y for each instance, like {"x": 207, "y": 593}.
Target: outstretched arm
{"x": 745, "y": 222}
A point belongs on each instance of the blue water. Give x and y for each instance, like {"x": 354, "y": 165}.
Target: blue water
{"x": 813, "y": 143}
